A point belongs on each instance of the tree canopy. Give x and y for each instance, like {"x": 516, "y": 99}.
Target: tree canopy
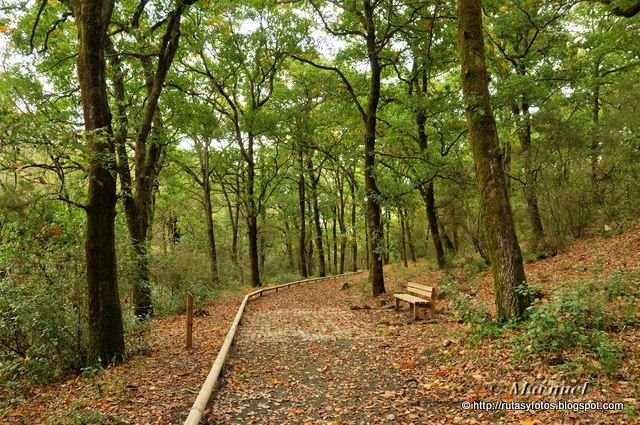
{"x": 152, "y": 148}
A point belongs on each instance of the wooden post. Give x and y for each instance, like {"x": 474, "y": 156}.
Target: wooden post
{"x": 189, "y": 319}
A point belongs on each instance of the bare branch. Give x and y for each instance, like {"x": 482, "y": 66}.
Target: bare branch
{"x": 70, "y": 202}
{"x": 333, "y": 31}
{"x": 55, "y": 25}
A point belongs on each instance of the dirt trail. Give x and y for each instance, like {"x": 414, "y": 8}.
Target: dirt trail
{"x": 306, "y": 357}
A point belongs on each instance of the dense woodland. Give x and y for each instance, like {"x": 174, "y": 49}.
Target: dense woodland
{"x": 149, "y": 148}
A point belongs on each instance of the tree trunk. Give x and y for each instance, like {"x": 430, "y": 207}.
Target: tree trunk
{"x": 304, "y": 271}
{"x": 448, "y": 243}
{"x": 428, "y": 196}
{"x": 252, "y": 216}
{"x": 208, "y": 211}
{"x": 327, "y": 243}
{"x": 387, "y": 234}
{"x": 343, "y": 228}
{"x": 538, "y": 244}
{"x": 233, "y": 219}
{"x": 288, "y": 246}
{"x": 506, "y": 164}
{"x": 403, "y": 240}
{"x": 263, "y": 242}
{"x": 310, "y": 238}
{"x": 148, "y": 157}
{"x": 366, "y": 242}
{"x": 412, "y": 248}
{"x": 354, "y": 223}
{"x": 427, "y": 190}
{"x": 373, "y": 213}
{"x": 504, "y": 251}
{"x": 106, "y": 337}
{"x": 596, "y": 190}
{"x": 335, "y": 239}
{"x": 322, "y": 270}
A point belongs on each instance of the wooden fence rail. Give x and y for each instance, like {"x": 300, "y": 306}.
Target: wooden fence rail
{"x": 199, "y": 406}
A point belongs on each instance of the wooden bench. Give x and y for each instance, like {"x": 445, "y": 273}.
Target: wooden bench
{"x": 418, "y": 295}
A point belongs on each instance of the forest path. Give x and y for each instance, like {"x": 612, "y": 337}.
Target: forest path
{"x": 305, "y": 356}
{"x": 302, "y": 355}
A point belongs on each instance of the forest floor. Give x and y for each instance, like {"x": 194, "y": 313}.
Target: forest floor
{"x": 321, "y": 354}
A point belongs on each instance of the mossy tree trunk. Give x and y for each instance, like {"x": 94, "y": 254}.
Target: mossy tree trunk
{"x": 149, "y": 154}
{"x": 106, "y": 336}
{"x": 373, "y": 211}
{"x": 502, "y": 243}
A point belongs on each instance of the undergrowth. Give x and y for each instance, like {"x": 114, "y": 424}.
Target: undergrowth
{"x": 579, "y": 321}
{"x": 574, "y": 327}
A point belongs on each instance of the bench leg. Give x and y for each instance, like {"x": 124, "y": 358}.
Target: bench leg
{"x": 397, "y": 303}
{"x": 415, "y": 311}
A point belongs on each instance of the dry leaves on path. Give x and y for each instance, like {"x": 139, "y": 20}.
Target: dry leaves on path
{"x": 321, "y": 355}
{"x": 157, "y": 387}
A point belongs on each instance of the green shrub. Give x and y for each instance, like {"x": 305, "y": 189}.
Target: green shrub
{"x": 137, "y": 334}
{"x": 474, "y": 266}
{"x": 581, "y": 316}
{"x": 469, "y": 310}
{"x": 282, "y": 278}
{"x": 42, "y": 301}
{"x": 173, "y": 275}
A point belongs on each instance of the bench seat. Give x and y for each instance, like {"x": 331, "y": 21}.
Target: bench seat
{"x": 419, "y": 295}
{"x": 412, "y": 299}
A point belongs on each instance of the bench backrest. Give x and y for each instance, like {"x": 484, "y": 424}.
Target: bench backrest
{"x": 422, "y": 291}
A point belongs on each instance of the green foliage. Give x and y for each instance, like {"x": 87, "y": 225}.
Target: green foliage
{"x": 282, "y": 278}
{"x": 470, "y": 310}
{"x": 173, "y": 275}
{"x": 42, "y": 322}
{"x": 582, "y": 316}
{"x": 474, "y": 266}
{"x": 137, "y": 335}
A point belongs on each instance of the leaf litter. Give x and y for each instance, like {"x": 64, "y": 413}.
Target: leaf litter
{"x": 326, "y": 353}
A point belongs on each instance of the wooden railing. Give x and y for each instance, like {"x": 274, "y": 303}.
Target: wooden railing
{"x": 199, "y": 406}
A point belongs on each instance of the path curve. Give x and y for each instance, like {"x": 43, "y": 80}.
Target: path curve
{"x": 305, "y": 356}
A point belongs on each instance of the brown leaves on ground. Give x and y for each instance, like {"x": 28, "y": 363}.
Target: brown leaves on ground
{"x": 320, "y": 354}
{"x": 157, "y": 387}
{"x": 336, "y": 364}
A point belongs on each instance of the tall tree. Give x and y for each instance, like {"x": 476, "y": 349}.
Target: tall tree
{"x": 521, "y": 33}
{"x": 504, "y": 251}
{"x": 314, "y": 179}
{"x": 374, "y": 24}
{"x": 419, "y": 86}
{"x": 138, "y": 190}
{"x": 304, "y": 272}
{"x": 201, "y": 133}
{"x": 611, "y": 51}
{"x": 106, "y": 337}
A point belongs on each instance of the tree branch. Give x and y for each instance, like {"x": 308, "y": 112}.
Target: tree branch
{"x": 344, "y": 79}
